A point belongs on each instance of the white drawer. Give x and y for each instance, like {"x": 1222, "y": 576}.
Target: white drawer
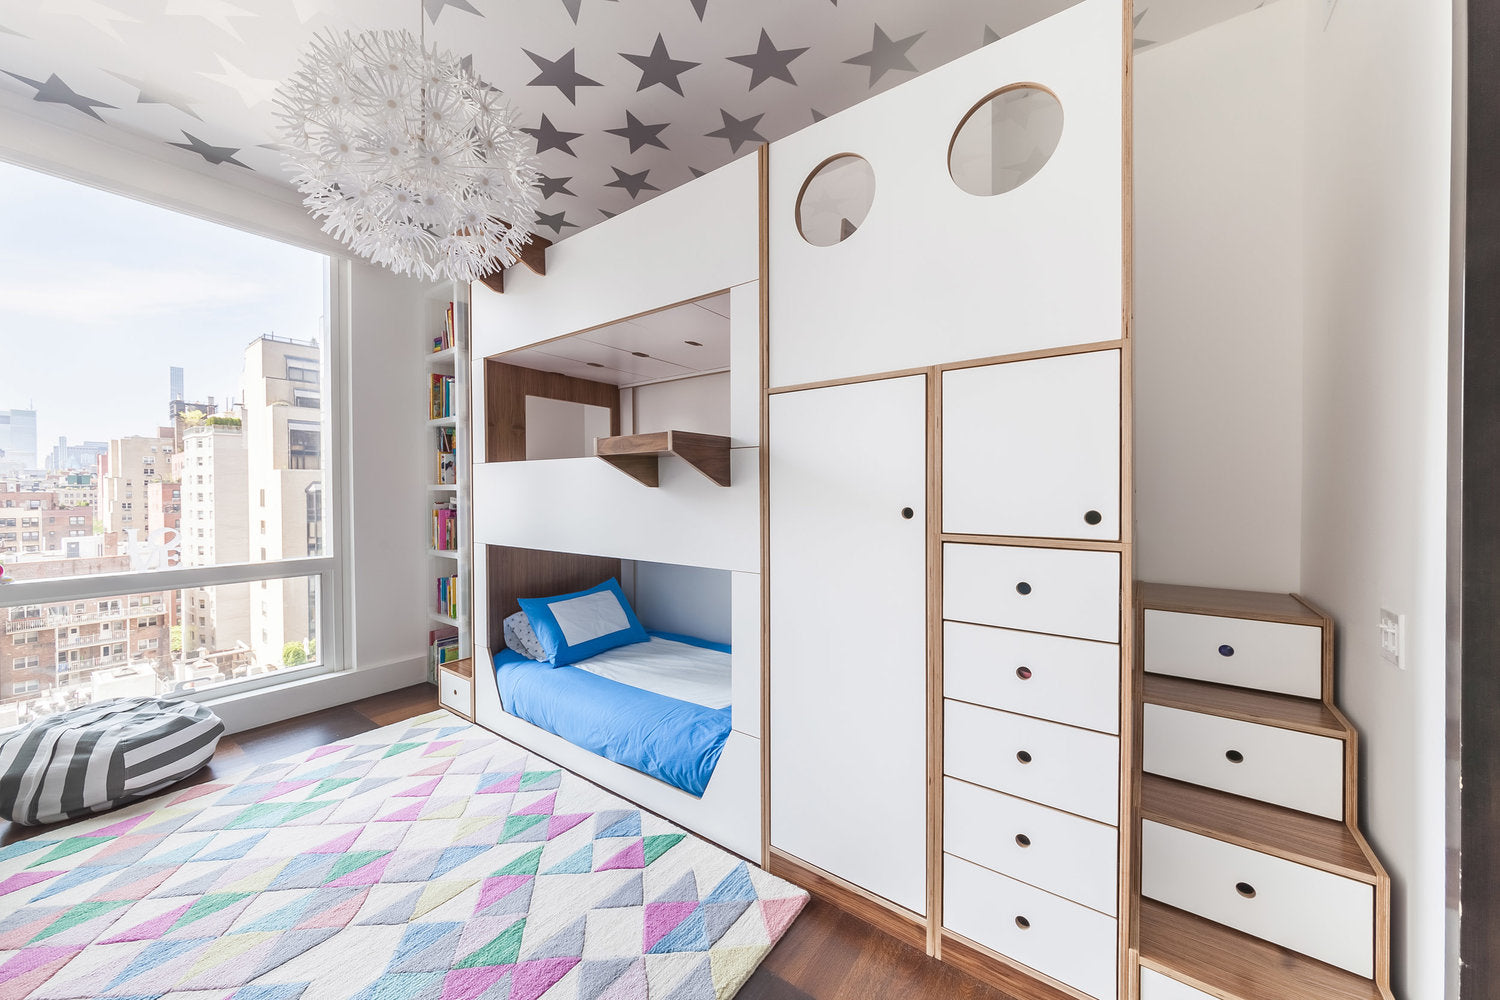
{"x": 1073, "y": 769}
{"x": 1319, "y": 914}
{"x": 1293, "y": 769}
{"x": 1269, "y": 656}
{"x": 1064, "y": 854}
{"x": 1155, "y": 986}
{"x": 454, "y": 692}
{"x": 1061, "y": 591}
{"x": 1067, "y": 680}
{"x": 1073, "y": 944}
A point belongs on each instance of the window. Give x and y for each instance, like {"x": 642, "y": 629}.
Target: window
{"x": 303, "y": 444}
{"x": 7, "y": 522}
{"x": 31, "y": 522}
{"x": 22, "y": 638}
{"x": 301, "y": 369}
{"x": 75, "y": 519}
{"x": 25, "y": 687}
{"x": 27, "y": 662}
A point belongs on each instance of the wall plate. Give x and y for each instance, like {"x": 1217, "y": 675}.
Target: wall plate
{"x": 1393, "y": 638}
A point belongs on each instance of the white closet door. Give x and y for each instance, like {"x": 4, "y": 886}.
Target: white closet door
{"x": 848, "y": 633}
{"x": 1032, "y": 448}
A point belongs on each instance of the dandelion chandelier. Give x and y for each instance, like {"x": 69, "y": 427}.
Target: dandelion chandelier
{"x": 408, "y": 157}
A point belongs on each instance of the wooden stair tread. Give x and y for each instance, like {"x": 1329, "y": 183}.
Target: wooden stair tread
{"x": 1326, "y": 844}
{"x": 1308, "y": 715}
{"x": 1226, "y": 603}
{"x": 636, "y": 455}
{"x": 1226, "y": 963}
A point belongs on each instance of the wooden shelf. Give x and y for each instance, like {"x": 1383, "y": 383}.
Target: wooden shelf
{"x": 1226, "y": 603}
{"x": 443, "y": 553}
{"x": 443, "y": 619}
{"x": 463, "y": 668}
{"x": 637, "y": 455}
{"x": 1307, "y": 715}
{"x": 1325, "y": 844}
{"x": 1225, "y": 963}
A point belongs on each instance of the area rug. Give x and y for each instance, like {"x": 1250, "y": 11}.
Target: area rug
{"x": 429, "y": 860}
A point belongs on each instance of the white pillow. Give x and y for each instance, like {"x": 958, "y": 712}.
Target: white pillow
{"x": 520, "y": 637}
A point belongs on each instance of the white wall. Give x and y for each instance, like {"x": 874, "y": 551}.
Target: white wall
{"x": 687, "y": 600}
{"x": 690, "y": 404}
{"x": 1219, "y": 129}
{"x": 1379, "y": 83}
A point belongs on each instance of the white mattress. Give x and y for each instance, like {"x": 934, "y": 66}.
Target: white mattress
{"x": 673, "y": 669}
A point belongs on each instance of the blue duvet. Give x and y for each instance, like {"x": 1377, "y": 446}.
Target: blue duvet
{"x": 675, "y": 741}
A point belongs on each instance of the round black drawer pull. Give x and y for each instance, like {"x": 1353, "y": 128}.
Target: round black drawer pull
{"x": 1023, "y": 588}
{"x": 1023, "y": 923}
{"x": 1023, "y": 756}
{"x": 1245, "y": 889}
{"x": 1234, "y": 756}
{"x": 1022, "y": 840}
{"x": 908, "y": 513}
{"x": 1024, "y": 673}
{"x": 1226, "y": 650}
{"x": 1092, "y": 517}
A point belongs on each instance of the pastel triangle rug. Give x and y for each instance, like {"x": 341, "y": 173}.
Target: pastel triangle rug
{"x": 422, "y": 861}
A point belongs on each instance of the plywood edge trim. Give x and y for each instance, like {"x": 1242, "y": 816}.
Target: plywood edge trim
{"x": 897, "y": 921}
{"x": 1016, "y": 980}
{"x": 1080, "y": 544}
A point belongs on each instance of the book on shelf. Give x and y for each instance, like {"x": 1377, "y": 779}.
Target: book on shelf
{"x": 440, "y": 396}
{"x": 447, "y": 596}
{"x": 447, "y": 456}
{"x": 441, "y": 650}
{"x": 445, "y": 525}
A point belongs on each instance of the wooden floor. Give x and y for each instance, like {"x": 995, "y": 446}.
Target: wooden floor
{"x": 826, "y": 954}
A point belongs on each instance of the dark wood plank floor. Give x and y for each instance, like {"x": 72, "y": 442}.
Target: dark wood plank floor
{"x": 827, "y": 954}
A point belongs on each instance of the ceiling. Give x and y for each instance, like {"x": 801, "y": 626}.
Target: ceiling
{"x": 625, "y": 98}
{"x": 689, "y": 339}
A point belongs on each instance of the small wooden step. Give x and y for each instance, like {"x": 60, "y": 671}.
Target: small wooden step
{"x": 1225, "y": 963}
{"x": 1307, "y": 715}
{"x": 637, "y": 455}
{"x": 1227, "y": 603}
{"x": 1325, "y": 844}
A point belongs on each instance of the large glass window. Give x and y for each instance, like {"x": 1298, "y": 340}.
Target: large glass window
{"x": 192, "y": 401}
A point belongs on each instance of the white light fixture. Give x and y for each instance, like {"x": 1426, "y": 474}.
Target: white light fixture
{"x": 408, "y": 157}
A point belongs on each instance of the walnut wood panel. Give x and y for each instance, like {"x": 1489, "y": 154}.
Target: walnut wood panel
{"x": 637, "y": 455}
{"x": 1227, "y": 964}
{"x": 1227, "y": 603}
{"x": 1080, "y": 544}
{"x": 463, "y": 668}
{"x": 505, "y": 390}
{"x": 515, "y": 573}
{"x": 1307, "y": 715}
{"x": 894, "y": 920}
{"x": 1270, "y": 829}
{"x": 991, "y": 967}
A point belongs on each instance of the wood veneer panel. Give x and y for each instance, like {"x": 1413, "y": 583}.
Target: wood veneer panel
{"x": 637, "y": 454}
{"x": 505, "y": 390}
{"x": 1227, "y": 603}
{"x": 1286, "y": 833}
{"x": 987, "y": 966}
{"x": 899, "y": 923}
{"x": 1225, "y": 963}
{"x": 1307, "y": 715}
{"x": 515, "y": 573}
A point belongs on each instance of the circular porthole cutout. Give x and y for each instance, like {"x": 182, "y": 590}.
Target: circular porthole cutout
{"x": 1005, "y": 140}
{"x": 835, "y": 199}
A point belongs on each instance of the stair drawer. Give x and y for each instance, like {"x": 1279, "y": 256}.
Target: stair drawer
{"x": 1064, "y": 854}
{"x": 1288, "y": 768}
{"x": 1155, "y": 986}
{"x": 1056, "y": 765}
{"x": 1071, "y": 943}
{"x": 1066, "y": 680}
{"x": 1268, "y": 656}
{"x": 1321, "y": 915}
{"x": 1059, "y": 591}
{"x": 455, "y": 692}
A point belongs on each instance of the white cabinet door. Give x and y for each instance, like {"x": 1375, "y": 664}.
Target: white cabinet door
{"x": 1032, "y": 448}
{"x": 848, "y": 633}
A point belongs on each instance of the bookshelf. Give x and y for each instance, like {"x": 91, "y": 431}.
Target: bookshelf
{"x": 448, "y": 570}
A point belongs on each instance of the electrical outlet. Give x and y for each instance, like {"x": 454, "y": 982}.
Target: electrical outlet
{"x": 1393, "y": 638}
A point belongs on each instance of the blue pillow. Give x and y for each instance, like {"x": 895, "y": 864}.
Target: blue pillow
{"x": 573, "y": 627}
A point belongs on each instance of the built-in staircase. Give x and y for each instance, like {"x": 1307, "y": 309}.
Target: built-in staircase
{"x": 1255, "y": 882}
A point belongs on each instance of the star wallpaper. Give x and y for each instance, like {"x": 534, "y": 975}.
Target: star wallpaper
{"x": 624, "y": 98}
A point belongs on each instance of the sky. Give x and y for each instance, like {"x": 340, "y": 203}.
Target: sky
{"x": 100, "y": 295}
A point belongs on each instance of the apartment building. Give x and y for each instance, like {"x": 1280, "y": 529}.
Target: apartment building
{"x": 125, "y": 471}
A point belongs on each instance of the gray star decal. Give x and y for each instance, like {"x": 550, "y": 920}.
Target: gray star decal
{"x": 639, "y": 134}
{"x": 435, "y": 7}
{"x": 606, "y": 213}
{"x": 549, "y": 136}
{"x": 699, "y": 6}
{"x": 737, "y": 131}
{"x": 560, "y": 73}
{"x": 696, "y": 172}
{"x": 554, "y": 222}
{"x": 817, "y": 115}
{"x": 54, "y": 91}
{"x": 990, "y": 35}
{"x": 885, "y": 55}
{"x": 150, "y": 93}
{"x": 659, "y": 67}
{"x": 768, "y": 62}
{"x": 633, "y": 184}
{"x": 554, "y": 185}
{"x": 213, "y": 154}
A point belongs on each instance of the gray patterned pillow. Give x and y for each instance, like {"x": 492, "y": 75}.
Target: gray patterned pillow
{"x": 520, "y": 637}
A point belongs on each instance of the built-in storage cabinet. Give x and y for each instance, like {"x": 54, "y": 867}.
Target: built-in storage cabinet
{"x": 1032, "y": 448}
{"x": 848, "y": 633}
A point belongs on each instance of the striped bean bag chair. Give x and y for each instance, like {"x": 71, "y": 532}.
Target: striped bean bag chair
{"x": 104, "y": 755}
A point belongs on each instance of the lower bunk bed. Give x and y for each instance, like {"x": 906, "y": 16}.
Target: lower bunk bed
{"x": 650, "y": 720}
